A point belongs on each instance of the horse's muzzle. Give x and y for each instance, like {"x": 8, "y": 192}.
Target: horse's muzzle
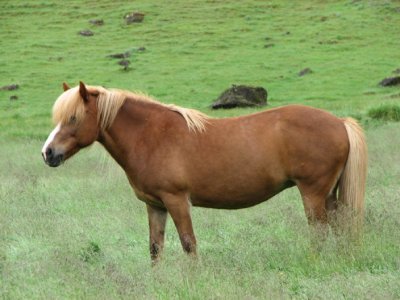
{"x": 52, "y": 158}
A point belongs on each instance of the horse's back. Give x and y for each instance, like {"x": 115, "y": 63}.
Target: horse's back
{"x": 242, "y": 161}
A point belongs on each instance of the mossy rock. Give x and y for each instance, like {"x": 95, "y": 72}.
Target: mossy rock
{"x": 241, "y": 96}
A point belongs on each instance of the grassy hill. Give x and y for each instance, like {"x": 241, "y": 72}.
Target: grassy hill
{"x": 78, "y": 231}
{"x": 196, "y": 49}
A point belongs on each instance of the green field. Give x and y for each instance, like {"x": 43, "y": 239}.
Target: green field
{"x": 78, "y": 231}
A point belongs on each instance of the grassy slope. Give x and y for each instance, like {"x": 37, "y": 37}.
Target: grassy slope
{"x": 194, "y": 49}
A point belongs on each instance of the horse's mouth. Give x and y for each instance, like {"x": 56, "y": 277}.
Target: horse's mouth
{"x": 55, "y": 161}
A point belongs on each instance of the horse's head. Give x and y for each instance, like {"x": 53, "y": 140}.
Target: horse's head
{"x": 76, "y": 116}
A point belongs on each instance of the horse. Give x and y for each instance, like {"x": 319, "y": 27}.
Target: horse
{"x": 176, "y": 157}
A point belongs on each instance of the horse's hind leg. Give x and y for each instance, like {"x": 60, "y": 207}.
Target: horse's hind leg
{"x": 157, "y": 220}
{"x": 315, "y": 206}
{"x": 331, "y": 205}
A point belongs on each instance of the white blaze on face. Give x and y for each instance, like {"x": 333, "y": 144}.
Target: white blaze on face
{"x": 50, "y": 139}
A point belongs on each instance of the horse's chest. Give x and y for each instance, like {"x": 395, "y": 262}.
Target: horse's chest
{"x": 147, "y": 198}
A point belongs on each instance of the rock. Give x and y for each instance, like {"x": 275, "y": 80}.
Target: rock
{"x": 86, "y": 33}
{"x": 241, "y": 96}
{"x": 390, "y": 81}
{"x": 97, "y": 22}
{"x": 125, "y": 63}
{"x": 134, "y": 17}
{"x": 13, "y": 97}
{"x": 120, "y": 55}
{"x": 305, "y": 72}
{"x": 10, "y": 87}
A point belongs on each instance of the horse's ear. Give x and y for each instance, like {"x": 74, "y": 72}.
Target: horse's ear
{"x": 83, "y": 91}
{"x": 65, "y": 87}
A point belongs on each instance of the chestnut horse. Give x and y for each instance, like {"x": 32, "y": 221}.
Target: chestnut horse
{"x": 176, "y": 157}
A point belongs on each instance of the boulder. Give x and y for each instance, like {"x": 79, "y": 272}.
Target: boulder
{"x": 241, "y": 96}
{"x": 390, "y": 81}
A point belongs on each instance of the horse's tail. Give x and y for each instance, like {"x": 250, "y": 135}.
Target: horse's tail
{"x": 353, "y": 179}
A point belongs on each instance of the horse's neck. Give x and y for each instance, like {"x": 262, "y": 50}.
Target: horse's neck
{"x": 135, "y": 125}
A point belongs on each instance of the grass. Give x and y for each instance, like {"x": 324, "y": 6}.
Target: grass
{"x": 385, "y": 113}
{"x": 195, "y": 50}
{"x": 79, "y": 232}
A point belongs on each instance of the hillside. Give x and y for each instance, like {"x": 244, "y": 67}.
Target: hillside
{"x": 196, "y": 49}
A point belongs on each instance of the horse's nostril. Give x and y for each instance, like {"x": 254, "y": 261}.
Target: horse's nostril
{"x": 49, "y": 152}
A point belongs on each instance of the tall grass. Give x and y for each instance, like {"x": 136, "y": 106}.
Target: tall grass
{"x": 385, "y": 112}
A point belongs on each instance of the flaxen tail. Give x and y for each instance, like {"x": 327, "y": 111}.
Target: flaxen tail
{"x": 353, "y": 179}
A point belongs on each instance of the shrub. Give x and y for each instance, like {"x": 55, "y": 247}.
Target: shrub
{"x": 90, "y": 253}
{"x": 388, "y": 112}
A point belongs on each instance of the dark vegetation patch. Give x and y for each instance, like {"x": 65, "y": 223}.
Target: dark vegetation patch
{"x": 389, "y": 112}
{"x": 397, "y": 71}
{"x": 90, "y": 253}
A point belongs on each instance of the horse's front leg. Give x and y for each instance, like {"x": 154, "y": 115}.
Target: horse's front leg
{"x": 157, "y": 220}
{"x": 178, "y": 207}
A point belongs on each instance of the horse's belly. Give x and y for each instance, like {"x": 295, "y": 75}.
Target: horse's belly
{"x": 234, "y": 187}
{"x": 233, "y": 199}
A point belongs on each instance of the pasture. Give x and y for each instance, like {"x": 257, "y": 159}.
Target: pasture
{"x": 78, "y": 231}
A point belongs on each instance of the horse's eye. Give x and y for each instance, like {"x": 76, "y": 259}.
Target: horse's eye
{"x": 72, "y": 120}
{"x": 94, "y": 94}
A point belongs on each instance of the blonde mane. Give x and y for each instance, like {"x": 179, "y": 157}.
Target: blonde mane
{"x": 70, "y": 105}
